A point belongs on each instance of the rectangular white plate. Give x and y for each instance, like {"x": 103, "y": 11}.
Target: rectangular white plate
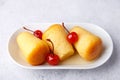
{"x": 74, "y": 62}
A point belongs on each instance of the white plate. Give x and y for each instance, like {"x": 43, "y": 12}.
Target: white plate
{"x": 74, "y": 62}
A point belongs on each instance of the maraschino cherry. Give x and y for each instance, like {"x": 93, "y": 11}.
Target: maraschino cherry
{"x": 52, "y": 58}
{"x": 36, "y": 33}
{"x": 72, "y": 37}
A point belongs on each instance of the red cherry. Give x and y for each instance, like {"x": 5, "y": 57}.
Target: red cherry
{"x": 38, "y": 34}
{"x": 72, "y": 37}
{"x": 53, "y": 59}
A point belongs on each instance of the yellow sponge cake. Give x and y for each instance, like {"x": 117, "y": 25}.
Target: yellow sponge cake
{"x": 89, "y": 46}
{"x": 57, "y": 34}
{"x": 33, "y": 48}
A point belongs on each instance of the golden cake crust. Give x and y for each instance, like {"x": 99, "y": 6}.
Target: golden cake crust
{"x": 89, "y": 46}
{"x": 57, "y": 34}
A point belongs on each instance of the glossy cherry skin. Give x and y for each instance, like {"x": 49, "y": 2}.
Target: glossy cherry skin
{"x": 38, "y": 34}
{"x": 72, "y": 37}
{"x": 53, "y": 59}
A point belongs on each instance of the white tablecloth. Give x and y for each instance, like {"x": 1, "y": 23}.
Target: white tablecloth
{"x": 105, "y": 13}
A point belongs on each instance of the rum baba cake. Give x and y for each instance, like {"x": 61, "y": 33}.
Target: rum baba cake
{"x": 89, "y": 46}
{"x": 57, "y": 34}
{"x": 34, "y": 49}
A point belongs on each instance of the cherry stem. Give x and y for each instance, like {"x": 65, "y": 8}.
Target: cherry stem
{"x": 27, "y": 29}
{"x": 52, "y": 45}
{"x": 67, "y": 31}
{"x": 65, "y": 27}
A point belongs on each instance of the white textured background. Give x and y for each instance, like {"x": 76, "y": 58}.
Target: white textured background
{"x": 105, "y": 13}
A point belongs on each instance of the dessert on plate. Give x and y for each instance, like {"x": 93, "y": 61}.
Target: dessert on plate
{"x": 57, "y": 34}
{"x": 57, "y": 44}
{"x": 89, "y": 46}
{"x": 34, "y": 49}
